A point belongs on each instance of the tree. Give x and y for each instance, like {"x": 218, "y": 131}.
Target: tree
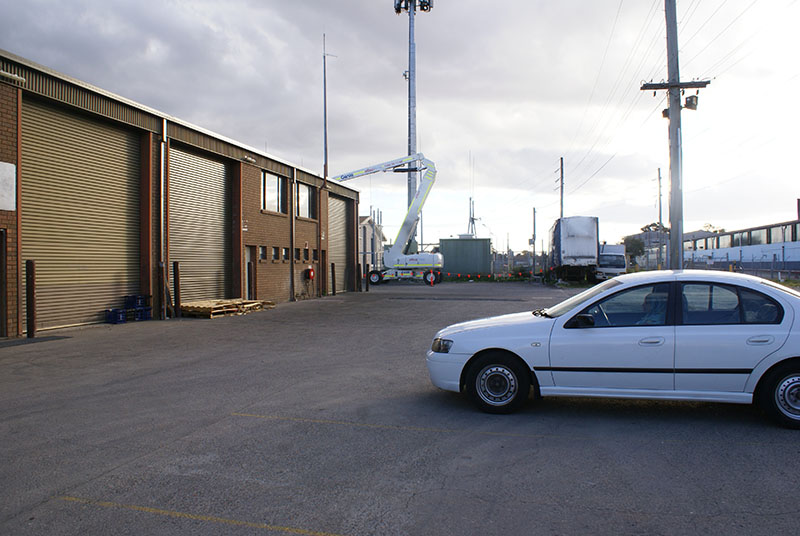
{"x": 713, "y": 228}
{"x": 634, "y": 247}
{"x": 655, "y": 227}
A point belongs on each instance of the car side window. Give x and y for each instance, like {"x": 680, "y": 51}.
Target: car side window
{"x": 711, "y": 303}
{"x": 640, "y": 306}
{"x": 759, "y": 309}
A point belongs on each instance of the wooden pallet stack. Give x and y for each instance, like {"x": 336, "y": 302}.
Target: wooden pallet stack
{"x": 216, "y": 308}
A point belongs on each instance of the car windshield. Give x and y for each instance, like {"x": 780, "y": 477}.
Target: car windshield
{"x": 611, "y": 261}
{"x": 570, "y": 303}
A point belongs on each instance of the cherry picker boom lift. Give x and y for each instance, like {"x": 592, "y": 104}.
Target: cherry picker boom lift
{"x": 396, "y": 263}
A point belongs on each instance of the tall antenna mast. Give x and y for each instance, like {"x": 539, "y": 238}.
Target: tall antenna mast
{"x": 411, "y": 76}
{"x": 471, "y": 226}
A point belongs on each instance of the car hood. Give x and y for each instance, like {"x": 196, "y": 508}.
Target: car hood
{"x": 498, "y": 325}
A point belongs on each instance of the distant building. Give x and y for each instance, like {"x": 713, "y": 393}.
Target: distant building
{"x": 370, "y": 243}
{"x": 763, "y": 250}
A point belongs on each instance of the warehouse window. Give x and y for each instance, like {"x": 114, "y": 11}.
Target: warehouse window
{"x": 305, "y": 201}
{"x": 759, "y": 236}
{"x": 262, "y": 252}
{"x": 286, "y": 254}
{"x": 276, "y": 254}
{"x": 273, "y": 193}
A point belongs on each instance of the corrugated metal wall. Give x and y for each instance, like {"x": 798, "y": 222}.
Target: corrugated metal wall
{"x": 200, "y": 225}
{"x": 338, "y": 241}
{"x": 79, "y": 209}
{"x": 466, "y": 255}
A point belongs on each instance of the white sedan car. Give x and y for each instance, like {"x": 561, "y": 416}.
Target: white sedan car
{"x": 669, "y": 335}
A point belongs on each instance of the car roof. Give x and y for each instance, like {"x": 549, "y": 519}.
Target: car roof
{"x": 719, "y": 276}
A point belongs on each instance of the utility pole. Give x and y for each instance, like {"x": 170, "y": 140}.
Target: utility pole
{"x": 562, "y": 186}
{"x": 533, "y": 246}
{"x": 675, "y": 87}
{"x": 325, "y": 110}
{"x": 660, "y": 222}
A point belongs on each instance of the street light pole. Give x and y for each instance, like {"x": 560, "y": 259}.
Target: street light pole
{"x": 411, "y": 77}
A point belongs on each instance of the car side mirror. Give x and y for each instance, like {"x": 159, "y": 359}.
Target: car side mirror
{"x": 583, "y": 320}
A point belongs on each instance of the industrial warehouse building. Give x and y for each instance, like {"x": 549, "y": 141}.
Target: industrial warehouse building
{"x": 105, "y": 194}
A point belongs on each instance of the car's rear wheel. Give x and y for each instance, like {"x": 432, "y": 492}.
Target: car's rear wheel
{"x": 375, "y": 277}
{"x": 430, "y": 278}
{"x": 779, "y": 395}
{"x": 498, "y": 383}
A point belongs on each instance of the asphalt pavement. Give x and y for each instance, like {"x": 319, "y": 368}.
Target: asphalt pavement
{"x": 318, "y": 417}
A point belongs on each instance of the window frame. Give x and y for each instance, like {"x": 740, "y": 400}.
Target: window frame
{"x": 310, "y": 204}
{"x": 740, "y": 305}
{"x": 669, "y": 315}
{"x": 276, "y": 195}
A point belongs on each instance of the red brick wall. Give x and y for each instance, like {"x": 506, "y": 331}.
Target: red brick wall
{"x": 8, "y": 219}
{"x": 268, "y": 229}
{"x": 305, "y": 237}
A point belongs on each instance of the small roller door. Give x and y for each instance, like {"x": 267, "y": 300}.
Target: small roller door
{"x": 199, "y": 225}
{"x": 79, "y": 211}
{"x": 338, "y": 241}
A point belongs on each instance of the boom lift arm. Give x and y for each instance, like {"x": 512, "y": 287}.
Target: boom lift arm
{"x": 395, "y": 257}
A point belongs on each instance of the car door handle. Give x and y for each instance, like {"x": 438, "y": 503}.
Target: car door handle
{"x": 761, "y": 339}
{"x": 651, "y": 341}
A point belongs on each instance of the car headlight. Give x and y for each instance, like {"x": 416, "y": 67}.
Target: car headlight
{"x": 441, "y": 346}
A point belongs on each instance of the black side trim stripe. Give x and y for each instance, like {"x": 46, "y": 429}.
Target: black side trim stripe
{"x": 643, "y": 370}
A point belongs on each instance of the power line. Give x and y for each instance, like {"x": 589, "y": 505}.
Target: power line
{"x": 599, "y": 72}
{"x": 722, "y": 32}
{"x": 704, "y": 23}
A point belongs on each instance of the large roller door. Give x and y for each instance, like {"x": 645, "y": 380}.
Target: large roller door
{"x": 79, "y": 208}
{"x": 200, "y": 225}
{"x": 338, "y": 242}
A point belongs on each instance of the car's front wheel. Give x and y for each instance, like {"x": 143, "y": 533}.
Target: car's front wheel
{"x": 498, "y": 383}
{"x": 779, "y": 395}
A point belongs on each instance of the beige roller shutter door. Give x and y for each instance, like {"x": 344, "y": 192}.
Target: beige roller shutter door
{"x": 79, "y": 208}
{"x": 200, "y": 225}
{"x": 337, "y": 241}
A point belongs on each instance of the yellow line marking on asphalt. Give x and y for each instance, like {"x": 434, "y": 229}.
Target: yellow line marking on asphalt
{"x": 196, "y": 517}
{"x": 385, "y": 426}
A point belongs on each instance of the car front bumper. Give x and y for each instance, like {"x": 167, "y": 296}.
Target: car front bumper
{"x": 445, "y": 370}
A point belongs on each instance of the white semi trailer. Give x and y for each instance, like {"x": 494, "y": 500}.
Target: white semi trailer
{"x": 398, "y": 264}
{"x": 574, "y": 247}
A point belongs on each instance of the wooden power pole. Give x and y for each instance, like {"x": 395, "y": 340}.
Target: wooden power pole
{"x": 675, "y": 87}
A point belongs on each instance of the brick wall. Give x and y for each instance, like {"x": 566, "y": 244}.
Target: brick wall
{"x": 8, "y": 219}
{"x": 271, "y": 230}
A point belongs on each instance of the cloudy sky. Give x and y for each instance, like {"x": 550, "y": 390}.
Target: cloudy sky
{"x": 504, "y": 89}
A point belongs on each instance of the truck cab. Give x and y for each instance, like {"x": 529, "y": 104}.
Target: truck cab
{"x": 611, "y": 261}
